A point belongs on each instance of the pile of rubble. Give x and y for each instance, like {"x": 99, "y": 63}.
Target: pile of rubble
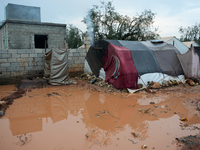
{"x": 92, "y": 79}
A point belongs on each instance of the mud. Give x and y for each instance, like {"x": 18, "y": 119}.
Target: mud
{"x": 87, "y": 116}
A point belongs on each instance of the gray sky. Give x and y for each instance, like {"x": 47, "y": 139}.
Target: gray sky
{"x": 170, "y": 14}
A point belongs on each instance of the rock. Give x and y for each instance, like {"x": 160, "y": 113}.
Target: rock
{"x": 140, "y": 86}
{"x": 156, "y": 85}
{"x": 144, "y": 146}
{"x": 191, "y": 82}
{"x": 152, "y": 103}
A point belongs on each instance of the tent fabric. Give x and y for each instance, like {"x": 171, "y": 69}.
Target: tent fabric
{"x": 94, "y": 56}
{"x": 190, "y": 63}
{"x": 56, "y": 67}
{"x": 147, "y": 57}
{"x": 143, "y": 57}
{"x": 197, "y": 50}
{"x": 119, "y": 67}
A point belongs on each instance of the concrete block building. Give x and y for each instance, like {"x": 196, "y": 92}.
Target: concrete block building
{"x": 24, "y": 39}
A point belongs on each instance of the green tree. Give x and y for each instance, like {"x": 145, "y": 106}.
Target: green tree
{"x": 74, "y": 37}
{"x": 191, "y": 33}
{"x": 109, "y": 24}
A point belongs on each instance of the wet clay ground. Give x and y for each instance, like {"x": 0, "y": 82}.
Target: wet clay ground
{"x": 80, "y": 117}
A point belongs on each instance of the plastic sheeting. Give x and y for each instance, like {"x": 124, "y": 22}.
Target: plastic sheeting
{"x": 190, "y": 63}
{"x": 56, "y": 67}
{"x": 119, "y": 67}
{"x": 144, "y": 58}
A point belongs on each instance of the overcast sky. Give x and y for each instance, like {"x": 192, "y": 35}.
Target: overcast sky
{"x": 170, "y": 14}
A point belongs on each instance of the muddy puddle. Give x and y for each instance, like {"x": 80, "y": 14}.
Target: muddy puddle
{"x": 74, "y": 118}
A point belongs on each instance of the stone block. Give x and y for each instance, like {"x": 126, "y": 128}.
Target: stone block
{"x": 5, "y": 65}
{"x": 70, "y": 58}
{"x": 12, "y": 68}
{"x": 6, "y": 55}
{"x": 28, "y": 68}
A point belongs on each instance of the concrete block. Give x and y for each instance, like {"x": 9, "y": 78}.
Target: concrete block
{"x": 5, "y": 65}
{"x": 40, "y": 63}
{"x": 75, "y": 58}
{"x": 16, "y": 55}
{"x": 12, "y": 60}
{"x": 24, "y": 55}
{"x": 39, "y": 51}
{"x": 78, "y": 61}
{"x": 81, "y": 50}
{"x": 3, "y": 60}
{"x": 5, "y": 74}
{"x": 17, "y": 64}
{"x": 33, "y": 55}
{"x": 72, "y": 50}
{"x": 40, "y": 55}
{"x": 70, "y": 54}
{"x": 83, "y": 54}
{"x": 39, "y": 59}
{"x": 12, "y": 51}
{"x": 3, "y": 69}
{"x": 6, "y": 56}
{"x": 22, "y": 51}
{"x": 13, "y": 68}
{"x": 15, "y": 73}
{"x": 3, "y": 51}
{"x": 70, "y": 58}
{"x": 71, "y": 61}
{"x": 28, "y": 68}
{"x": 76, "y": 54}
{"x": 82, "y": 59}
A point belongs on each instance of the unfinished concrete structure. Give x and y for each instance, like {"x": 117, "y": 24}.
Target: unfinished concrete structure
{"x": 24, "y": 39}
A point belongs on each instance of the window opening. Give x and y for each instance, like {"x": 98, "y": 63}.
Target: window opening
{"x": 40, "y": 41}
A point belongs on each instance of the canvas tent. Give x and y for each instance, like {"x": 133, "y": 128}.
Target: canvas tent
{"x": 125, "y": 61}
{"x": 190, "y": 63}
{"x": 56, "y": 67}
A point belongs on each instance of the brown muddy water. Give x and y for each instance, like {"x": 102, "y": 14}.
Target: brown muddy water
{"x": 76, "y": 118}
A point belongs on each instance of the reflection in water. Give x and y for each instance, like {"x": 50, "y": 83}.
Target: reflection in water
{"x": 24, "y": 139}
{"x": 76, "y": 112}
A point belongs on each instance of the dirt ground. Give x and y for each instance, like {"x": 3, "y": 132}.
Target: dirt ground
{"x": 98, "y": 116}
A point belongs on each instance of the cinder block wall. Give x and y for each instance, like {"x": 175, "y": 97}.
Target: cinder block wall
{"x": 30, "y": 62}
{"x": 19, "y": 62}
{"x": 76, "y": 59}
{"x": 20, "y": 34}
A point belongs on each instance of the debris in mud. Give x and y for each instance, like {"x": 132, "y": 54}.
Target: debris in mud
{"x": 144, "y": 146}
{"x": 183, "y": 119}
{"x": 134, "y": 142}
{"x": 105, "y": 112}
{"x": 135, "y": 135}
{"x": 87, "y": 135}
{"x": 24, "y": 139}
{"x": 189, "y": 142}
{"x": 6, "y": 101}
